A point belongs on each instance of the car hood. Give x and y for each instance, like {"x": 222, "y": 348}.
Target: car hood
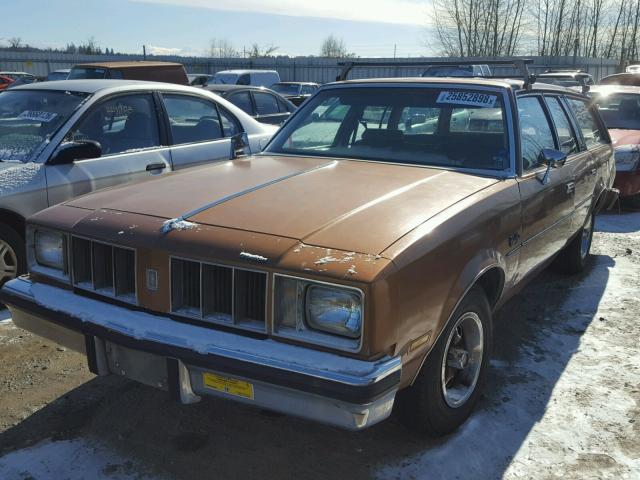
{"x": 624, "y": 137}
{"x": 349, "y": 205}
{"x": 17, "y": 177}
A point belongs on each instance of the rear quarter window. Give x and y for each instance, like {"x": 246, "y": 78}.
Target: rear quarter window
{"x": 588, "y": 124}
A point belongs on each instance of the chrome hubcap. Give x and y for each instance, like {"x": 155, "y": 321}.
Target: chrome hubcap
{"x": 462, "y": 359}
{"x": 8, "y": 262}
{"x": 586, "y": 237}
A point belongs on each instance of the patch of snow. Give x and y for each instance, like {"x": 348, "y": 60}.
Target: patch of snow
{"x": 76, "y": 459}
{"x": 352, "y": 270}
{"x": 325, "y": 260}
{"x": 177, "y": 224}
{"x": 14, "y": 178}
{"x": 253, "y": 256}
{"x": 141, "y": 325}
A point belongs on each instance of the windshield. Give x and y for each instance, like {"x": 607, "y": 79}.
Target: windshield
{"x": 92, "y": 73}
{"x": 225, "y": 78}
{"x": 449, "y": 71}
{"x": 620, "y": 110}
{"x": 29, "y": 117}
{"x": 449, "y": 127}
{"x": 285, "y": 88}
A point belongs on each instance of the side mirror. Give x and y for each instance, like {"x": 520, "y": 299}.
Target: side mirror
{"x": 552, "y": 159}
{"x": 68, "y": 152}
{"x": 240, "y": 145}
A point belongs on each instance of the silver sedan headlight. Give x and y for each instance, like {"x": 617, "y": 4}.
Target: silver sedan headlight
{"x": 322, "y": 314}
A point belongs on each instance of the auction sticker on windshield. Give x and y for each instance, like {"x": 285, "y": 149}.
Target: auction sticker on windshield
{"x": 37, "y": 116}
{"x": 470, "y": 99}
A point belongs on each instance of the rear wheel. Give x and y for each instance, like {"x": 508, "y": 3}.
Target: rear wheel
{"x": 573, "y": 258}
{"x": 447, "y": 388}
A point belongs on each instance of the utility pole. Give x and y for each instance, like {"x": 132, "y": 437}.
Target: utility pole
{"x": 394, "y": 50}
{"x": 144, "y": 52}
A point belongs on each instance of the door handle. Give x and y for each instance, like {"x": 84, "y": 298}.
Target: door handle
{"x": 156, "y": 166}
{"x": 571, "y": 187}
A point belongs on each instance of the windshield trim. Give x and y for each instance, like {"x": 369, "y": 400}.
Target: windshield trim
{"x": 510, "y": 172}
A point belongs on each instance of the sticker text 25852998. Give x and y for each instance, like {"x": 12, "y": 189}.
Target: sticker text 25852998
{"x": 471, "y": 99}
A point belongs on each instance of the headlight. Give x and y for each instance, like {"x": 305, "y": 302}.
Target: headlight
{"x": 627, "y": 157}
{"x": 318, "y": 313}
{"x": 334, "y": 311}
{"x": 49, "y": 249}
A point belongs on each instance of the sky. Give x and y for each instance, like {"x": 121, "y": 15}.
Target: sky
{"x": 186, "y": 27}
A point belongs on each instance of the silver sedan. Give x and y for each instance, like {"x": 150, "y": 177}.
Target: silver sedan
{"x": 66, "y": 138}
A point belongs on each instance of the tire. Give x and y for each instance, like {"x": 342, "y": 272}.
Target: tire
{"x": 575, "y": 256}
{"x": 433, "y": 405}
{"x": 12, "y": 254}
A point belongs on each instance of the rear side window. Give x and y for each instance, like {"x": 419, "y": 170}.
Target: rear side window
{"x": 242, "y": 100}
{"x": 591, "y": 132}
{"x": 244, "y": 79}
{"x": 566, "y": 137}
{"x": 192, "y": 119}
{"x": 535, "y": 131}
{"x": 266, "y": 104}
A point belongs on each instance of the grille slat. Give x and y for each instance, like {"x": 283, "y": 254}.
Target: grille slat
{"x": 106, "y": 269}
{"x": 219, "y": 294}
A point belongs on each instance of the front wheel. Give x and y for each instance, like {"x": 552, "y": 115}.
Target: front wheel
{"x": 449, "y": 383}
{"x": 12, "y": 254}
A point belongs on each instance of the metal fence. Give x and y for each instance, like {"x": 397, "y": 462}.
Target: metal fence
{"x": 308, "y": 69}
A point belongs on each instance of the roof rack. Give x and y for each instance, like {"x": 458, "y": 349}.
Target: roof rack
{"x": 519, "y": 63}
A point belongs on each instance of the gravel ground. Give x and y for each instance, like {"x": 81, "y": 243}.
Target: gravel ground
{"x": 562, "y": 401}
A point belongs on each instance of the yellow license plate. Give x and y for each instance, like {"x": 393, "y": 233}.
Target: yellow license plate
{"x": 229, "y": 385}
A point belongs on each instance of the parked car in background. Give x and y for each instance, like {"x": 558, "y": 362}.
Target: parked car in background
{"x": 66, "y": 138}
{"x": 168, "y": 72}
{"x": 56, "y": 75}
{"x": 354, "y": 264}
{"x": 295, "y": 92}
{"x": 633, "y": 69}
{"x": 5, "y": 82}
{"x": 26, "y": 81}
{"x": 631, "y": 79}
{"x": 265, "y": 105}
{"x": 566, "y": 78}
{"x": 259, "y": 78}
{"x": 18, "y": 75}
{"x": 199, "y": 79}
{"x": 457, "y": 71}
{"x": 620, "y": 108}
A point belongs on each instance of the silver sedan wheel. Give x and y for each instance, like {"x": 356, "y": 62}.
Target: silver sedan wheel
{"x": 462, "y": 359}
{"x": 585, "y": 242}
{"x": 8, "y": 262}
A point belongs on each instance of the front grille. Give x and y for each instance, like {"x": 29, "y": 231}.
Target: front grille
{"x": 219, "y": 294}
{"x": 104, "y": 269}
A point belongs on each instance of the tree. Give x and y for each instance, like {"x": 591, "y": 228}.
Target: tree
{"x": 15, "y": 42}
{"x": 258, "y": 51}
{"x": 333, "y": 47}
{"x": 222, "y": 48}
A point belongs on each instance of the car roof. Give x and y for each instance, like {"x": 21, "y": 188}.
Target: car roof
{"x": 130, "y": 64}
{"x": 514, "y": 84}
{"x": 92, "y": 86}
{"x": 246, "y": 71}
{"x": 613, "y": 88}
{"x": 564, "y": 73}
{"x": 216, "y": 87}
{"x": 295, "y": 83}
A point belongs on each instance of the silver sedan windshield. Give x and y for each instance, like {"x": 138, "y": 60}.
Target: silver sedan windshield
{"x": 30, "y": 117}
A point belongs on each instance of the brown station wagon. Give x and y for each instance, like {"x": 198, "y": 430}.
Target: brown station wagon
{"x": 350, "y": 268}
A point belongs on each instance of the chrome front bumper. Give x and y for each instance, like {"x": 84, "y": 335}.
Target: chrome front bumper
{"x": 176, "y": 357}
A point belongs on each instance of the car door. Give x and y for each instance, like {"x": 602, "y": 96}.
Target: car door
{"x": 268, "y": 108}
{"x": 197, "y": 130}
{"x": 127, "y": 128}
{"x": 595, "y": 140}
{"x": 547, "y": 204}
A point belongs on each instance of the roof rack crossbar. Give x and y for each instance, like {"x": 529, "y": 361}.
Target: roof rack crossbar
{"x": 519, "y": 63}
